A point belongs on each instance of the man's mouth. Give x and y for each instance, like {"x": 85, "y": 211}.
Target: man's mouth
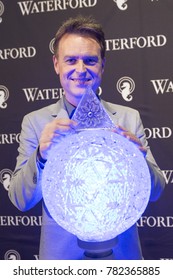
{"x": 81, "y": 81}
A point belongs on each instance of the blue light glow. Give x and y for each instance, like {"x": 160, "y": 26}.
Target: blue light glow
{"x": 96, "y": 184}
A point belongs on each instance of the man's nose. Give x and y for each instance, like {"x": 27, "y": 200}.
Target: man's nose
{"x": 80, "y": 67}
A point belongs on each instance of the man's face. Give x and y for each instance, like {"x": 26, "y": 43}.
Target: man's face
{"x": 79, "y": 65}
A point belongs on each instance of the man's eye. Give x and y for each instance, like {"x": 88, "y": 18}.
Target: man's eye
{"x": 90, "y": 61}
{"x": 71, "y": 60}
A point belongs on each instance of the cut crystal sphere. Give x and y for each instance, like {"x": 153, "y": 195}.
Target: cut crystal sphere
{"x": 96, "y": 184}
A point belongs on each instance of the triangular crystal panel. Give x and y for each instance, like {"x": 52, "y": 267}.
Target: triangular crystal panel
{"x": 90, "y": 113}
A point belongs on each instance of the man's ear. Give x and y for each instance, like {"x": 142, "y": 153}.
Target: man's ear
{"x": 56, "y": 64}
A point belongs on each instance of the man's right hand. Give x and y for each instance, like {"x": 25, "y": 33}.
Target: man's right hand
{"x": 52, "y": 131}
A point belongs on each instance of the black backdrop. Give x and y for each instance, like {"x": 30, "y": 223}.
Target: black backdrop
{"x": 139, "y": 54}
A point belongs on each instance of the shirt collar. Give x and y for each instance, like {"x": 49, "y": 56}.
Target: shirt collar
{"x": 69, "y": 107}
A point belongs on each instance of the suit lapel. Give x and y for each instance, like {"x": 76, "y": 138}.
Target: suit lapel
{"x": 111, "y": 112}
{"x": 59, "y": 110}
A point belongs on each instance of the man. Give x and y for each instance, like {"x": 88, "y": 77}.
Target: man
{"x": 79, "y": 61}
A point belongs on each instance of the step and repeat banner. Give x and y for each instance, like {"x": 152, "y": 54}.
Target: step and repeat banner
{"x": 138, "y": 73}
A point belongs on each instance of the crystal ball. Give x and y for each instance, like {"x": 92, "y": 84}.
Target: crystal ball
{"x": 96, "y": 184}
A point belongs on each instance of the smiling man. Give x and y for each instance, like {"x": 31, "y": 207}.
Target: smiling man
{"x": 79, "y": 59}
{"x": 79, "y": 64}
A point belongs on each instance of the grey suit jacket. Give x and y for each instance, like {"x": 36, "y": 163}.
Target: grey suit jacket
{"x": 25, "y": 188}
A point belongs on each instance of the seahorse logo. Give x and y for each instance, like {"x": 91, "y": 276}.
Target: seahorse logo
{"x": 5, "y": 177}
{"x": 51, "y": 45}
{"x": 126, "y": 86}
{"x": 121, "y": 4}
{"x": 12, "y": 255}
{"x": 1, "y": 10}
{"x": 4, "y": 95}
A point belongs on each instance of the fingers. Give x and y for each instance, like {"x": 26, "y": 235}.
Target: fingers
{"x": 143, "y": 151}
{"x": 52, "y": 132}
{"x": 60, "y": 126}
{"x": 131, "y": 137}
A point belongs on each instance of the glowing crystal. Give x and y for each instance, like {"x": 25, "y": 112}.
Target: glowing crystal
{"x": 96, "y": 184}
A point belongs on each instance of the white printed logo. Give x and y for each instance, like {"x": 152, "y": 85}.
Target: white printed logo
{"x": 15, "y": 53}
{"x": 4, "y": 95}
{"x": 168, "y": 175}
{"x": 158, "y": 132}
{"x": 35, "y": 7}
{"x": 121, "y": 4}
{"x": 162, "y": 86}
{"x": 126, "y": 86}
{"x": 12, "y": 255}
{"x": 1, "y": 10}
{"x": 51, "y": 45}
{"x": 5, "y": 177}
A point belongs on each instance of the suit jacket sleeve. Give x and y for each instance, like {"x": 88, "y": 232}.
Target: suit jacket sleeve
{"x": 130, "y": 119}
{"x": 25, "y": 186}
{"x": 157, "y": 178}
